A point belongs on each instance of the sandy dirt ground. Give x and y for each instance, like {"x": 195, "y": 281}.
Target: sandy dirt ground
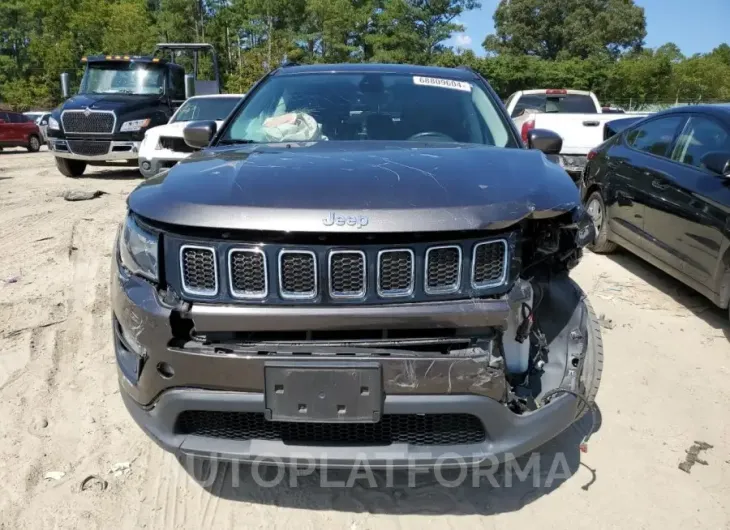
{"x": 666, "y": 385}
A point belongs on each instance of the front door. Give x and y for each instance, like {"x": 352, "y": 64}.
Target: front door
{"x": 689, "y": 222}
{"x": 632, "y": 166}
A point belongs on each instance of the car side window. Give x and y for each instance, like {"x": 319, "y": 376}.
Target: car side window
{"x": 655, "y": 136}
{"x": 4, "y": 117}
{"x": 15, "y": 118}
{"x": 699, "y": 137}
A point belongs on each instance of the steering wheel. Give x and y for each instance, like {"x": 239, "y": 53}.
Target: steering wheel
{"x": 433, "y": 135}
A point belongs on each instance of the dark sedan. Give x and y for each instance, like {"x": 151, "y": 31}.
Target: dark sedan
{"x": 661, "y": 189}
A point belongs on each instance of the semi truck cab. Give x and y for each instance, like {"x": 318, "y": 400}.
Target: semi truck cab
{"x": 120, "y": 97}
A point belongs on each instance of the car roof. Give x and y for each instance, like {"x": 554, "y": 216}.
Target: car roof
{"x": 461, "y": 74}
{"x": 715, "y": 108}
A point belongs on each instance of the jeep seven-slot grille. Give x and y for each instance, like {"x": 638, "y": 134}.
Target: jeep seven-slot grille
{"x": 347, "y": 274}
{"x": 395, "y": 272}
{"x": 93, "y": 122}
{"x": 489, "y": 263}
{"x": 247, "y": 268}
{"x": 414, "y": 429}
{"x": 199, "y": 270}
{"x": 398, "y": 273}
{"x": 443, "y": 269}
{"x": 297, "y": 274}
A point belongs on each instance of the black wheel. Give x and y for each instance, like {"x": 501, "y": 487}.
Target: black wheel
{"x": 70, "y": 168}
{"x": 596, "y": 208}
{"x": 34, "y": 144}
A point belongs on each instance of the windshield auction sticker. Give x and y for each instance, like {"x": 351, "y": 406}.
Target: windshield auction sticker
{"x": 442, "y": 83}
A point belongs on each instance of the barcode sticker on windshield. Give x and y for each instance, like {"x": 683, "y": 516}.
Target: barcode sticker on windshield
{"x": 443, "y": 83}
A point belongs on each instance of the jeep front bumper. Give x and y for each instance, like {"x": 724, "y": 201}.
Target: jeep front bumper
{"x": 160, "y": 381}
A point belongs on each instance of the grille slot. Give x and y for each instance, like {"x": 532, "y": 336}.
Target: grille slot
{"x": 395, "y": 272}
{"x": 175, "y": 144}
{"x": 88, "y": 147}
{"x": 90, "y": 122}
{"x": 489, "y": 264}
{"x": 414, "y": 429}
{"x": 248, "y": 273}
{"x": 443, "y": 269}
{"x": 199, "y": 270}
{"x": 347, "y": 274}
{"x": 297, "y": 274}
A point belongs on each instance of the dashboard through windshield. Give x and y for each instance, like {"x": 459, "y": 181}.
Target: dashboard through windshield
{"x": 369, "y": 106}
{"x": 123, "y": 78}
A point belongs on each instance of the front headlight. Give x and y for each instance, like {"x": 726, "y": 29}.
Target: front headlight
{"x": 138, "y": 250}
{"x": 53, "y": 124}
{"x": 134, "y": 125}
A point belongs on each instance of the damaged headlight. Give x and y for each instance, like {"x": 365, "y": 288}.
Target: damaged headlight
{"x": 138, "y": 250}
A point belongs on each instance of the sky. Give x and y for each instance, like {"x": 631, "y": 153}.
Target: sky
{"x": 696, "y": 27}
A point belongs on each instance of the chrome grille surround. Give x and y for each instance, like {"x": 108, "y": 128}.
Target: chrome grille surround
{"x": 297, "y": 295}
{"x": 391, "y": 293}
{"x": 331, "y": 277}
{"x": 503, "y": 264}
{"x": 191, "y": 289}
{"x": 446, "y": 288}
{"x": 232, "y": 270}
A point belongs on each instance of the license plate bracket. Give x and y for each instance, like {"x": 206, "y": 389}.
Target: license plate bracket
{"x": 325, "y": 393}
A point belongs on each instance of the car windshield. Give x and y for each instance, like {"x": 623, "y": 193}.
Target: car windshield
{"x": 369, "y": 106}
{"x": 205, "y": 109}
{"x": 123, "y": 78}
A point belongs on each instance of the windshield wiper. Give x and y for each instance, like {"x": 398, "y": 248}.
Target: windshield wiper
{"x": 236, "y": 142}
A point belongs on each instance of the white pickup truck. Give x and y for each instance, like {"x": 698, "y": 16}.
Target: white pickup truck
{"x": 573, "y": 114}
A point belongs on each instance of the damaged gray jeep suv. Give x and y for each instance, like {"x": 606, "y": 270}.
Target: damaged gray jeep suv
{"x": 364, "y": 263}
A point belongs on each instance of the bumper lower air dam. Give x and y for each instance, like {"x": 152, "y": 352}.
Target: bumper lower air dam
{"x": 507, "y": 435}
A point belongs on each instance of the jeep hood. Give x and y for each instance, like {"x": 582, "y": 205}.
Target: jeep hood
{"x": 391, "y": 186}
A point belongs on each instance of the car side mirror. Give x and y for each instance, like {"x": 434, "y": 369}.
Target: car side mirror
{"x": 198, "y": 134}
{"x": 44, "y": 122}
{"x": 544, "y": 140}
{"x": 717, "y": 162}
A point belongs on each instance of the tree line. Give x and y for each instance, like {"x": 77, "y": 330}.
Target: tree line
{"x": 581, "y": 44}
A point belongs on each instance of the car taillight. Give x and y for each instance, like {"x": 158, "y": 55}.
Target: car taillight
{"x": 556, "y": 91}
{"x": 593, "y": 153}
{"x": 527, "y": 127}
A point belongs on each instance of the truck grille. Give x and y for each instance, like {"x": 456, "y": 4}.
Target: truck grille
{"x": 175, "y": 144}
{"x": 88, "y": 147}
{"x": 248, "y": 274}
{"x": 350, "y": 275}
{"x": 91, "y": 122}
{"x": 297, "y": 274}
{"x": 347, "y": 274}
{"x": 414, "y": 429}
{"x": 489, "y": 263}
{"x": 443, "y": 269}
{"x": 199, "y": 270}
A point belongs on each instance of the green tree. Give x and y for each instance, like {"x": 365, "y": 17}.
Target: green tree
{"x": 553, "y": 29}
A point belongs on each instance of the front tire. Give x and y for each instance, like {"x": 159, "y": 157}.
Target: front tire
{"x": 70, "y": 168}
{"x": 596, "y": 208}
{"x": 34, "y": 144}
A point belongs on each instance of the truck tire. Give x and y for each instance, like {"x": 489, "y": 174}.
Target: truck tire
{"x": 34, "y": 144}
{"x": 596, "y": 208}
{"x": 70, "y": 168}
